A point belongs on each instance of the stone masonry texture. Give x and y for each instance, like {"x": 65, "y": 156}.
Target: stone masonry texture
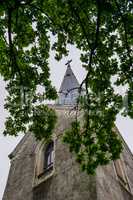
{"x": 66, "y": 181}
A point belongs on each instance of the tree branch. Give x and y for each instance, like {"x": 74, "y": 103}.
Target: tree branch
{"x": 13, "y": 59}
{"x": 125, "y": 30}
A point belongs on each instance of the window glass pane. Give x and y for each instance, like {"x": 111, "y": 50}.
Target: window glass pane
{"x": 49, "y": 159}
{"x": 49, "y": 156}
{"x": 52, "y": 157}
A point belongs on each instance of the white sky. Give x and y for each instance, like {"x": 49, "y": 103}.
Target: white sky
{"x": 7, "y": 144}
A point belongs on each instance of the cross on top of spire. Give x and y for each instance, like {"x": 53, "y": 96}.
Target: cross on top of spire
{"x": 68, "y": 62}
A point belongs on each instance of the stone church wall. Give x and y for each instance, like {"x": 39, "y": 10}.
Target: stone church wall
{"x": 19, "y": 184}
{"x": 65, "y": 181}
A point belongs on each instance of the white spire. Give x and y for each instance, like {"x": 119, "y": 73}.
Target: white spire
{"x": 68, "y": 92}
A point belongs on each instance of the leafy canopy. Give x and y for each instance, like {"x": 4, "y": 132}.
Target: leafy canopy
{"x": 102, "y": 31}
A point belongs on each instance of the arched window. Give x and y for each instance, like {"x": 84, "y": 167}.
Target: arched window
{"x": 49, "y": 156}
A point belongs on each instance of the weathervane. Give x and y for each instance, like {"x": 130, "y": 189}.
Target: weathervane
{"x": 68, "y": 63}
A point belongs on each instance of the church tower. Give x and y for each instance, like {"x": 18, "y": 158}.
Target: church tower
{"x": 48, "y": 171}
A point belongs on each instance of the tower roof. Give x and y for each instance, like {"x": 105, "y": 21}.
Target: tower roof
{"x": 69, "y": 81}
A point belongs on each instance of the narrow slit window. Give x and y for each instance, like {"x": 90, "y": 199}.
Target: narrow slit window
{"x": 121, "y": 174}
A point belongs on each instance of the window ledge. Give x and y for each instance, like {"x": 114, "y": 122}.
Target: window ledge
{"x": 47, "y": 174}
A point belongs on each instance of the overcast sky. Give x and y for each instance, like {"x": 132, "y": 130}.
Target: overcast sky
{"x": 7, "y": 144}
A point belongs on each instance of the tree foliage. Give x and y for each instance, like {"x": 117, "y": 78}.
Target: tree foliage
{"x": 102, "y": 31}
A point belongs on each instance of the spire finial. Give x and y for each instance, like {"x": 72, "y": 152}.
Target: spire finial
{"x": 68, "y": 63}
